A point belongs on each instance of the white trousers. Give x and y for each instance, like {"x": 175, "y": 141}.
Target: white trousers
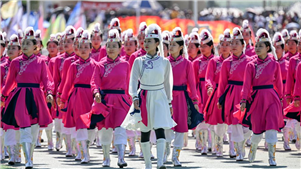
{"x": 240, "y": 133}
{"x": 270, "y": 137}
{"x": 29, "y": 134}
{"x": 12, "y": 137}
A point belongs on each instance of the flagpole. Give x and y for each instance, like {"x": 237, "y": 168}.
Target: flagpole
{"x": 195, "y": 13}
{"x": 28, "y": 11}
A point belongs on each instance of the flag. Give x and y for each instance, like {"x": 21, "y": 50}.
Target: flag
{"x": 81, "y": 22}
{"x": 40, "y": 21}
{"x": 75, "y": 14}
{"x": 9, "y": 9}
{"x": 57, "y": 24}
{"x": 15, "y": 22}
{"x": 98, "y": 19}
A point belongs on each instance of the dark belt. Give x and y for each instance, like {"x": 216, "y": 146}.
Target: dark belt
{"x": 180, "y": 88}
{"x": 232, "y": 82}
{"x": 113, "y": 91}
{"x": 82, "y": 85}
{"x": 32, "y": 85}
{"x": 284, "y": 81}
{"x": 202, "y": 79}
{"x": 263, "y": 87}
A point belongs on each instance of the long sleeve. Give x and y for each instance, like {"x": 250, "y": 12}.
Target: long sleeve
{"x": 96, "y": 79}
{"x": 11, "y": 78}
{"x": 46, "y": 78}
{"x": 135, "y": 77}
{"x": 102, "y": 53}
{"x": 248, "y": 80}
{"x": 278, "y": 84}
{"x": 223, "y": 79}
{"x": 168, "y": 81}
{"x": 65, "y": 69}
{"x": 69, "y": 82}
{"x": 297, "y": 90}
{"x": 289, "y": 88}
{"x": 195, "y": 65}
{"x": 127, "y": 79}
{"x": 209, "y": 77}
{"x": 56, "y": 75}
{"x": 132, "y": 59}
{"x": 191, "y": 81}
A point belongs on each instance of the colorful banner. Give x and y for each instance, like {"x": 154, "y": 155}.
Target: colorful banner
{"x": 216, "y": 27}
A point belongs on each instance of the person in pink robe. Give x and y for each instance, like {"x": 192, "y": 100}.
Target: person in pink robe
{"x": 260, "y": 107}
{"x": 3, "y": 62}
{"x": 193, "y": 47}
{"x": 96, "y": 39}
{"x": 68, "y": 40}
{"x": 278, "y": 42}
{"x": 200, "y": 67}
{"x": 247, "y": 34}
{"x": 11, "y": 134}
{"x": 130, "y": 44}
{"x": 166, "y": 43}
{"x": 76, "y": 90}
{"x": 183, "y": 76}
{"x": 141, "y": 51}
{"x": 27, "y": 72}
{"x": 229, "y": 91}
{"x": 213, "y": 115}
{"x": 40, "y": 45}
{"x": 295, "y": 106}
{"x": 292, "y": 45}
{"x": 110, "y": 82}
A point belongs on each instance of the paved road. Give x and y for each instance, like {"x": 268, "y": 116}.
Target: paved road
{"x": 189, "y": 157}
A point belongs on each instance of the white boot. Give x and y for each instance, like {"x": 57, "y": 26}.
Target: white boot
{"x": 175, "y": 156}
{"x": 219, "y": 145}
{"x": 252, "y": 152}
{"x": 160, "y": 153}
{"x": 286, "y": 139}
{"x": 18, "y": 153}
{"x": 145, "y": 147}
{"x": 204, "y": 138}
{"x": 210, "y": 141}
{"x": 239, "y": 150}
{"x": 84, "y": 146}
{"x": 49, "y": 138}
{"x": 58, "y": 144}
{"x": 167, "y": 152}
{"x": 232, "y": 152}
{"x": 79, "y": 152}
{"x": 106, "y": 155}
{"x": 121, "y": 150}
{"x": 68, "y": 145}
{"x": 185, "y": 139}
{"x": 132, "y": 146}
{"x": 272, "y": 151}
{"x": 38, "y": 144}
{"x": 11, "y": 151}
{"x": 27, "y": 154}
{"x": 98, "y": 144}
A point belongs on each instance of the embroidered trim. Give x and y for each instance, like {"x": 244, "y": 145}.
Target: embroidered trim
{"x": 109, "y": 68}
{"x": 62, "y": 62}
{"x": 148, "y": 64}
{"x": 24, "y": 64}
{"x": 6, "y": 72}
{"x": 281, "y": 61}
{"x": 203, "y": 65}
{"x": 173, "y": 64}
{"x": 235, "y": 64}
{"x": 297, "y": 62}
{"x": 260, "y": 68}
{"x": 218, "y": 67}
{"x": 80, "y": 68}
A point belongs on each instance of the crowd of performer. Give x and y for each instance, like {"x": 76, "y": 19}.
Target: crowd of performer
{"x": 151, "y": 88}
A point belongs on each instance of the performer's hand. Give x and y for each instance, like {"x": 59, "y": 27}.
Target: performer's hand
{"x": 242, "y": 107}
{"x": 196, "y": 106}
{"x": 62, "y": 105}
{"x": 136, "y": 104}
{"x": 2, "y": 104}
{"x": 171, "y": 111}
{"x": 49, "y": 99}
{"x": 288, "y": 100}
{"x": 58, "y": 101}
{"x": 297, "y": 103}
{"x": 219, "y": 106}
{"x": 209, "y": 91}
{"x": 98, "y": 98}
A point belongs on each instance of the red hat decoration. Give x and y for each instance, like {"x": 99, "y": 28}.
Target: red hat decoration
{"x": 29, "y": 33}
{"x": 166, "y": 37}
{"x": 237, "y": 34}
{"x": 177, "y": 35}
{"x": 278, "y": 39}
{"x": 114, "y": 36}
{"x": 69, "y": 32}
{"x": 142, "y": 28}
{"x": 205, "y": 36}
{"x": 14, "y": 40}
{"x": 285, "y": 34}
{"x": 37, "y": 35}
{"x": 294, "y": 35}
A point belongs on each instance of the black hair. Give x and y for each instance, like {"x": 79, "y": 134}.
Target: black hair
{"x": 242, "y": 41}
{"x": 99, "y": 36}
{"x": 282, "y": 46}
{"x": 41, "y": 43}
{"x": 19, "y": 47}
{"x": 197, "y": 45}
{"x": 90, "y": 44}
{"x": 119, "y": 44}
{"x": 34, "y": 41}
{"x": 56, "y": 42}
{"x": 157, "y": 40}
{"x": 268, "y": 44}
{"x": 181, "y": 43}
{"x": 3, "y": 45}
{"x": 210, "y": 43}
{"x": 294, "y": 41}
{"x": 167, "y": 45}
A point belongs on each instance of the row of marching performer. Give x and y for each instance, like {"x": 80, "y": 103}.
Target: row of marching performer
{"x": 112, "y": 101}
